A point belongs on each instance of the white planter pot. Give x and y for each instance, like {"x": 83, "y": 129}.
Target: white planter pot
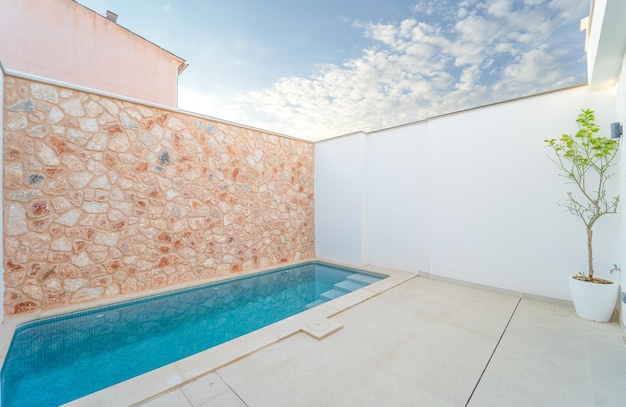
{"x": 595, "y": 302}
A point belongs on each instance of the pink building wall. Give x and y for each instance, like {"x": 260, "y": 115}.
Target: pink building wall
{"x": 63, "y": 40}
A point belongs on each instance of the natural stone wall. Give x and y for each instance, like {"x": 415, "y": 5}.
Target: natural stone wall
{"x": 104, "y": 197}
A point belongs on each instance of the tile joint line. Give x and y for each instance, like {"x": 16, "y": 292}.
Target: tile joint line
{"x": 493, "y": 352}
{"x": 231, "y": 389}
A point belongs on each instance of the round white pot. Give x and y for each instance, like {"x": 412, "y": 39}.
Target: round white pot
{"x": 595, "y": 302}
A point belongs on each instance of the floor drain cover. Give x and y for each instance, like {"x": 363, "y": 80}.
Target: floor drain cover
{"x": 321, "y": 328}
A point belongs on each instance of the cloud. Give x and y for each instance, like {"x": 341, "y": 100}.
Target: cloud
{"x": 442, "y": 59}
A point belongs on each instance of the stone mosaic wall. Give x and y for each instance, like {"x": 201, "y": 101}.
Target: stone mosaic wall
{"x": 104, "y": 197}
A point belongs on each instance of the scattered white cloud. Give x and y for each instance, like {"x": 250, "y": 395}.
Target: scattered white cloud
{"x": 166, "y": 7}
{"x": 444, "y": 58}
{"x": 428, "y": 7}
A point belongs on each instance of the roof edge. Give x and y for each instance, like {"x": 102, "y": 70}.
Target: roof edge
{"x": 182, "y": 61}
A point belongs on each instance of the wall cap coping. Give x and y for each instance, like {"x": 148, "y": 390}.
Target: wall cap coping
{"x": 55, "y": 82}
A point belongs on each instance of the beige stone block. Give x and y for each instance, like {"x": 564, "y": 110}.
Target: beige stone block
{"x": 69, "y": 218}
{"x": 61, "y": 204}
{"x": 109, "y": 105}
{"x": 101, "y": 183}
{"x": 77, "y": 137}
{"x": 81, "y": 259}
{"x": 62, "y": 245}
{"x": 39, "y": 131}
{"x": 44, "y": 92}
{"x": 55, "y": 115}
{"x": 74, "y": 284}
{"x": 73, "y": 107}
{"x": 79, "y": 180}
{"x": 96, "y": 167}
{"x": 106, "y": 239}
{"x": 16, "y": 223}
{"x": 46, "y": 155}
{"x": 95, "y": 207}
{"x": 86, "y": 294}
{"x": 57, "y": 187}
{"x": 175, "y": 124}
{"x": 97, "y": 142}
{"x": 13, "y": 175}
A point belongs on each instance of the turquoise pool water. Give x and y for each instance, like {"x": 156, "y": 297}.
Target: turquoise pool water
{"x": 56, "y": 360}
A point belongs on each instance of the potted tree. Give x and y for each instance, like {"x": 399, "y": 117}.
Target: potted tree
{"x": 586, "y": 160}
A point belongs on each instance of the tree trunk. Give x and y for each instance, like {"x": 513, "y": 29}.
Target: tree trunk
{"x": 590, "y": 252}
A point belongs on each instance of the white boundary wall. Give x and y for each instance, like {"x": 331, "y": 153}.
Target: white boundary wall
{"x": 620, "y": 111}
{"x": 470, "y": 196}
{"x": 341, "y": 171}
{"x": 398, "y": 192}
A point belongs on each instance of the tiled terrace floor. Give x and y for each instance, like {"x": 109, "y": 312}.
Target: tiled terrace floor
{"x": 429, "y": 343}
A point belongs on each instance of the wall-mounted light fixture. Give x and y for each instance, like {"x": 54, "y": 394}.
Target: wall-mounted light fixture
{"x": 616, "y": 130}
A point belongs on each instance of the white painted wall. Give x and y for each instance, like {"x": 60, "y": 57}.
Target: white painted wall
{"x": 340, "y": 199}
{"x": 606, "y": 62}
{"x": 469, "y": 196}
{"x": 398, "y": 198}
{"x": 494, "y": 218}
{"x": 593, "y": 36}
{"x": 620, "y": 111}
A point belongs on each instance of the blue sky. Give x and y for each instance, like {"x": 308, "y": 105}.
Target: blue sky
{"x": 322, "y": 68}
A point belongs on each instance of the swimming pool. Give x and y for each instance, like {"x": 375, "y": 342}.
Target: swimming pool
{"x": 59, "y": 359}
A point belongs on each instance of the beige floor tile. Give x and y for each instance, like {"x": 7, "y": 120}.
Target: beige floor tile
{"x": 174, "y": 398}
{"x": 547, "y": 357}
{"x": 204, "y": 389}
{"x": 320, "y": 372}
{"x": 426, "y": 343}
{"x": 386, "y": 391}
{"x": 532, "y": 379}
{"x": 607, "y": 372}
{"x": 271, "y": 389}
{"x": 228, "y": 399}
{"x": 443, "y": 376}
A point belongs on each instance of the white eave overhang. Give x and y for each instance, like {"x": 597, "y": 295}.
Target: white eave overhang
{"x": 606, "y": 42}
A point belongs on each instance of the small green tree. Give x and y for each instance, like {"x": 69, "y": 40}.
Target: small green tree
{"x": 585, "y": 160}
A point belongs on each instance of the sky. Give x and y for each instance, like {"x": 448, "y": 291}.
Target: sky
{"x": 318, "y": 69}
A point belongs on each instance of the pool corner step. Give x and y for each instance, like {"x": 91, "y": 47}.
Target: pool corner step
{"x": 362, "y": 279}
{"x": 348, "y": 286}
{"x": 331, "y": 294}
{"x": 352, "y": 283}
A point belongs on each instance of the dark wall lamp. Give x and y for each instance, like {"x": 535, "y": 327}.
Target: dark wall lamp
{"x": 616, "y": 130}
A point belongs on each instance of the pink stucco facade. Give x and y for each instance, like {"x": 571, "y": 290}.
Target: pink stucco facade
{"x": 66, "y": 41}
